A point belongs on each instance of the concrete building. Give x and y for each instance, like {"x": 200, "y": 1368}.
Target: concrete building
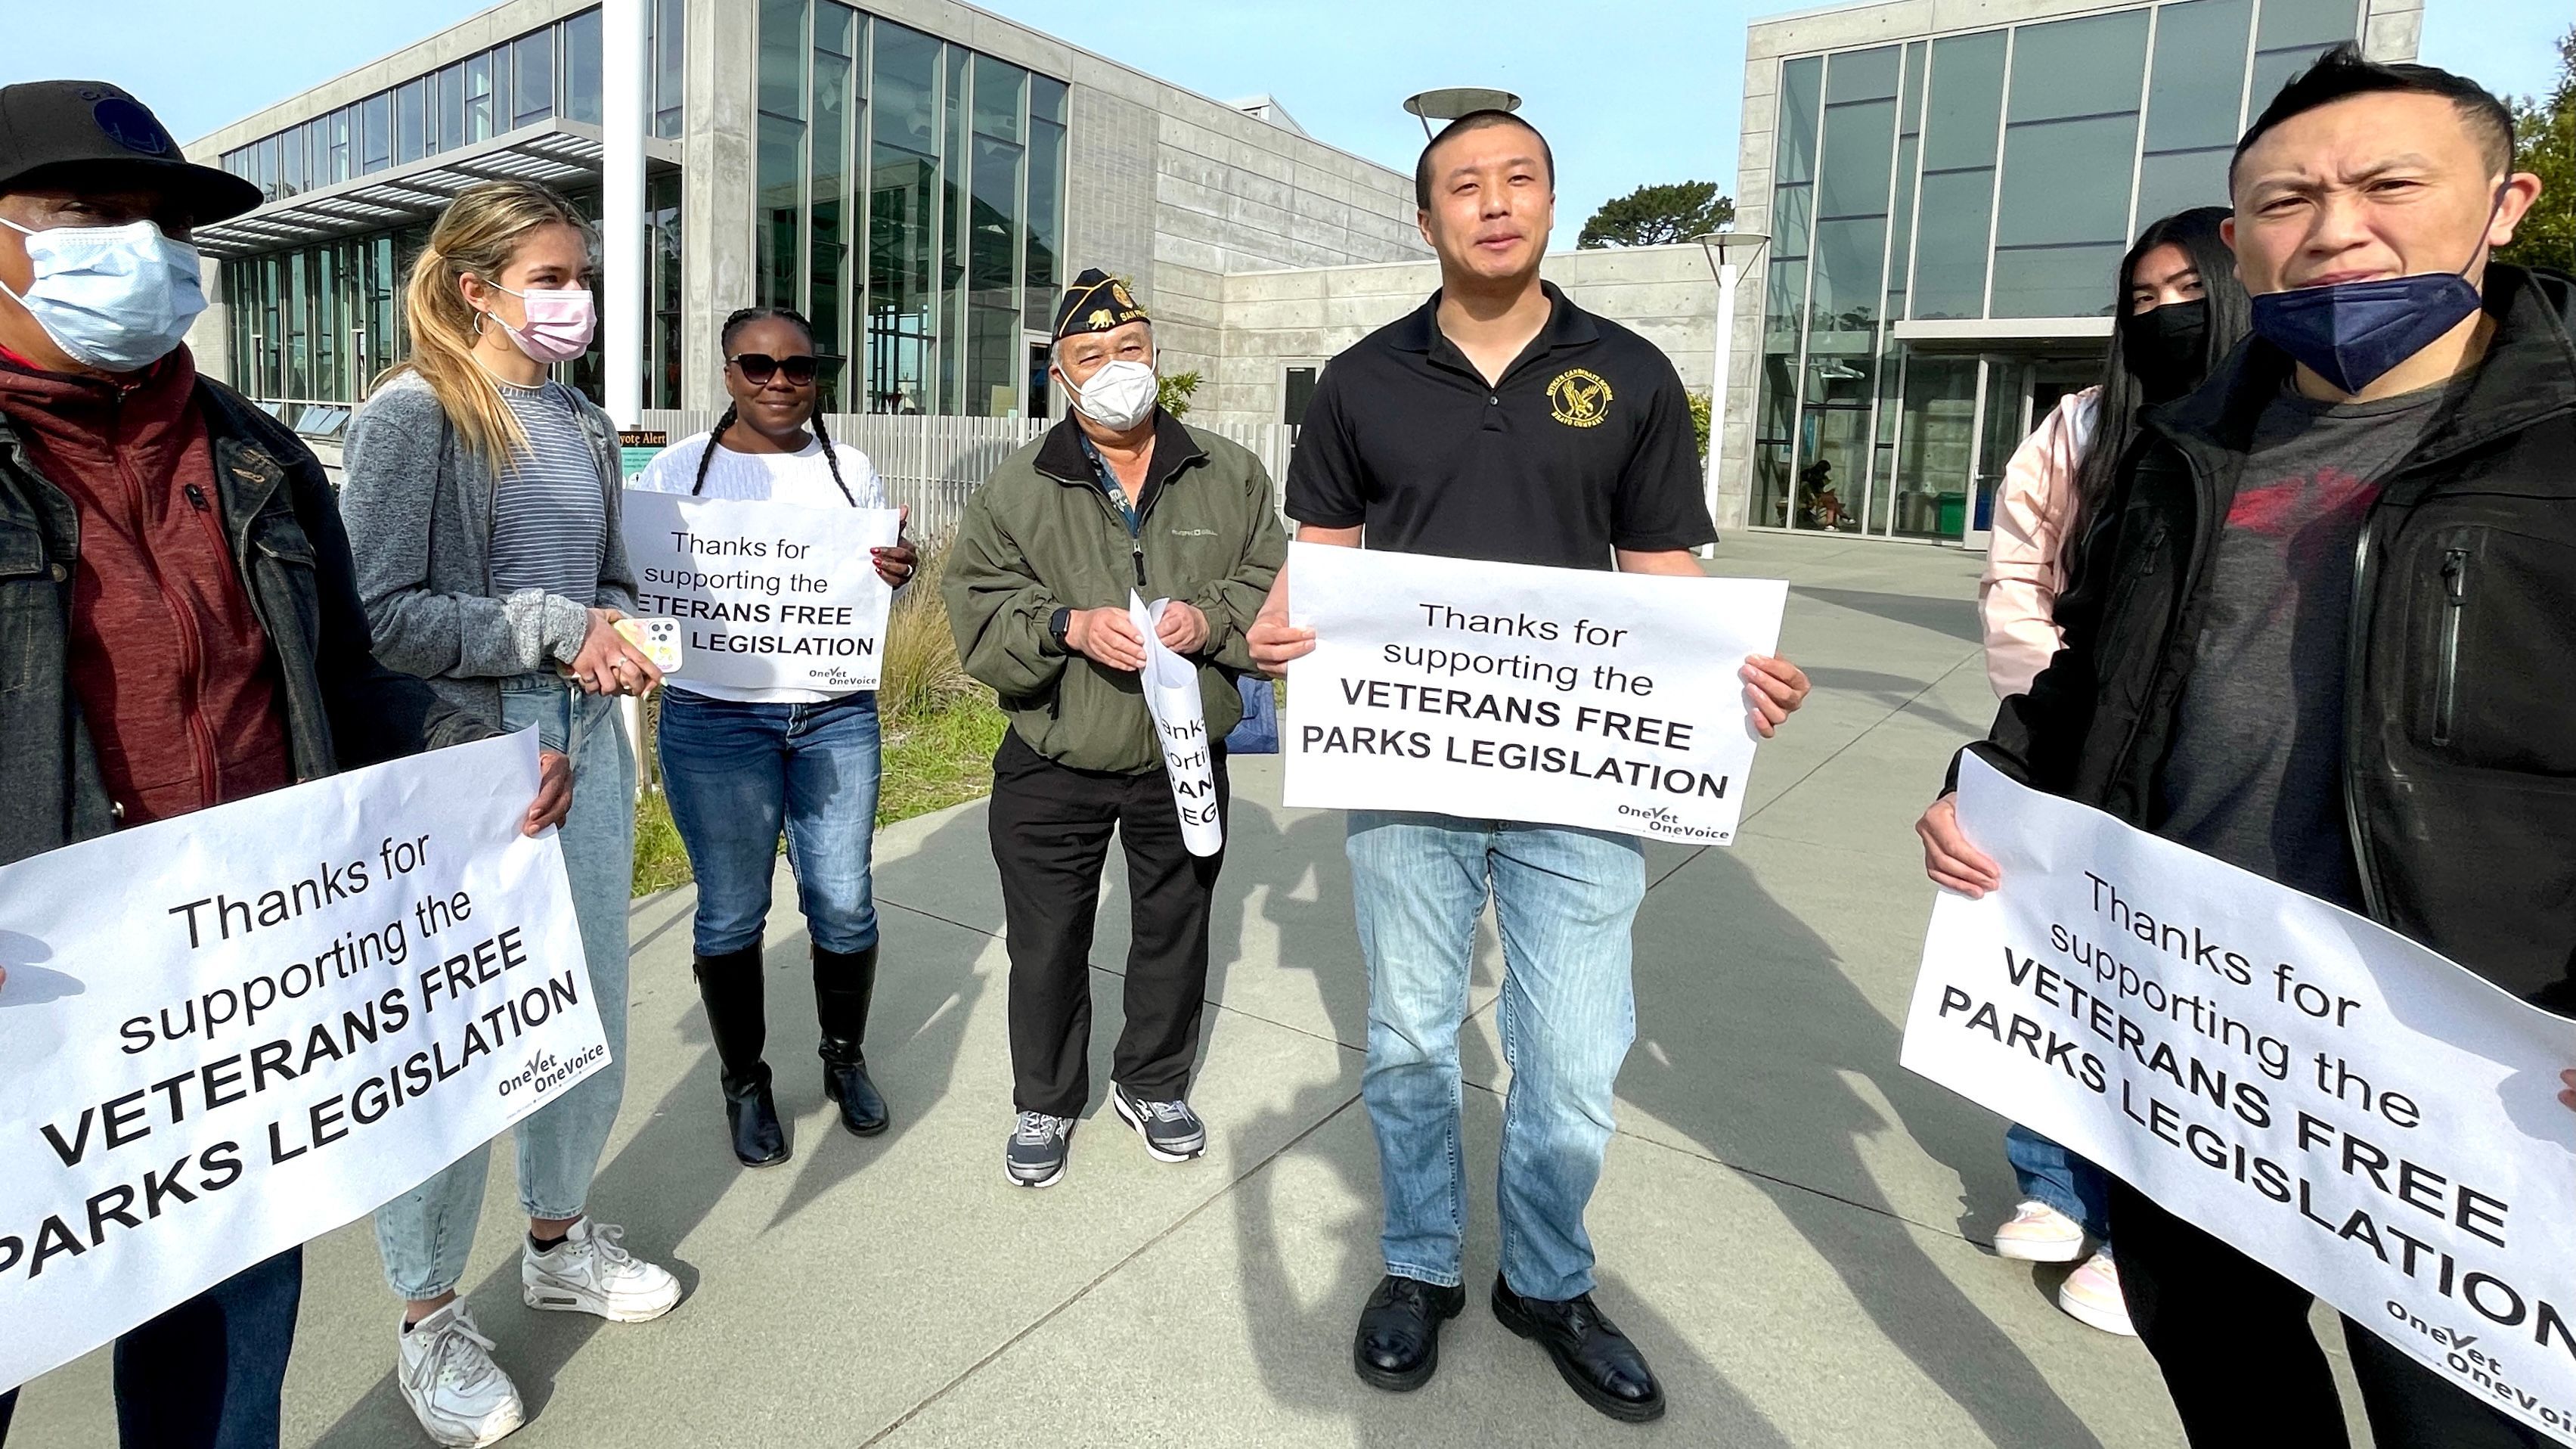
{"x": 1950, "y": 186}
{"x": 917, "y": 176}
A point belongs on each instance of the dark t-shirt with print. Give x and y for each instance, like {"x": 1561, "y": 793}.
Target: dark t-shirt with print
{"x": 2255, "y": 776}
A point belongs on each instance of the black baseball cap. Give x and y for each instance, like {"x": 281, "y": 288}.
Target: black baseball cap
{"x": 85, "y": 134}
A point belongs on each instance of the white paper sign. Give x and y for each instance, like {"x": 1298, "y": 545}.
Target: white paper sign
{"x": 224, "y": 1034}
{"x": 1171, "y": 687}
{"x": 1559, "y": 696}
{"x": 2363, "y": 1116}
{"x": 769, "y": 595}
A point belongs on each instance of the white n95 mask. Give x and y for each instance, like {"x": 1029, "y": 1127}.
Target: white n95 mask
{"x": 116, "y": 298}
{"x": 1119, "y": 395}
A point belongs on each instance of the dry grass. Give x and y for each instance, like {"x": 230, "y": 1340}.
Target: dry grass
{"x": 939, "y": 729}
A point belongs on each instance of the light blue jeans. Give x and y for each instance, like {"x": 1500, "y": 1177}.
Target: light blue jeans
{"x": 1564, "y": 901}
{"x": 737, "y": 774}
{"x": 425, "y": 1233}
{"x": 2050, "y": 1174}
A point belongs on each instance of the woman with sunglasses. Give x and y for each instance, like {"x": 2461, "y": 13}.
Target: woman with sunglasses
{"x": 740, "y": 765}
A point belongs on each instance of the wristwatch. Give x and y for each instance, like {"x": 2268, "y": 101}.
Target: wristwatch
{"x": 1057, "y": 624}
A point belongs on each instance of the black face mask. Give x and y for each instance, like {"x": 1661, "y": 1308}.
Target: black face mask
{"x": 2162, "y": 349}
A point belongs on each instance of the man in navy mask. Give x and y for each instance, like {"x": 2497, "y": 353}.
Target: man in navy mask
{"x": 178, "y": 624}
{"x": 2324, "y": 633}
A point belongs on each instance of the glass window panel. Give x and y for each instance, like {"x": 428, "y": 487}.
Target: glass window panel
{"x": 2180, "y": 180}
{"x": 1935, "y": 439}
{"x": 992, "y": 362}
{"x": 480, "y": 95}
{"x": 953, "y": 218}
{"x": 450, "y": 99}
{"x": 580, "y": 50}
{"x": 2193, "y": 93}
{"x": 1860, "y": 140}
{"x": 340, "y": 169}
{"x": 670, "y": 36}
{"x": 1794, "y": 156}
{"x": 532, "y": 78}
{"x": 1046, "y": 220}
{"x": 1949, "y": 278}
{"x": 1784, "y": 304}
{"x": 290, "y": 171}
{"x": 2307, "y": 22}
{"x": 410, "y": 121}
{"x": 1844, "y": 304}
{"x": 1833, "y": 445}
{"x": 376, "y": 151}
{"x": 2067, "y": 181}
{"x": 1792, "y": 218}
{"x": 1862, "y": 75}
{"x": 2058, "y": 281}
{"x": 827, "y": 266}
{"x": 1901, "y": 227}
{"x": 327, "y": 357}
{"x": 1047, "y": 99}
{"x": 2078, "y": 67}
{"x": 1965, "y": 102}
{"x": 780, "y": 151}
{"x": 903, "y": 95}
{"x": 782, "y": 57}
{"x": 835, "y": 28}
{"x": 1917, "y": 56}
{"x": 997, "y": 98}
{"x": 994, "y": 226}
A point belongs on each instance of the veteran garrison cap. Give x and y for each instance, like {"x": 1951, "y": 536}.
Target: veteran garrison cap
{"x": 89, "y": 134}
{"x": 1096, "y": 302}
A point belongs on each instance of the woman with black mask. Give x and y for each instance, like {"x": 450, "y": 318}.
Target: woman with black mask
{"x": 2180, "y": 309}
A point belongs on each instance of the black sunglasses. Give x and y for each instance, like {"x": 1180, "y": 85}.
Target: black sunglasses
{"x": 759, "y": 367}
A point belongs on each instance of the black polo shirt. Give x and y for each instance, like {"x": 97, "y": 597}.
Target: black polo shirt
{"x": 1583, "y": 447}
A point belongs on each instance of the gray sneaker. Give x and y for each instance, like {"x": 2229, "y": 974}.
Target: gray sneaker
{"x": 1172, "y": 1132}
{"x": 1037, "y": 1150}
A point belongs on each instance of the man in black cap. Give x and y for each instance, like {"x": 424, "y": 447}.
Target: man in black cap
{"x": 1118, "y": 497}
{"x": 178, "y": 626}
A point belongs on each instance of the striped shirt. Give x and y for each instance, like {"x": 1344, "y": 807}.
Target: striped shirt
{"x": 549, "y": 516}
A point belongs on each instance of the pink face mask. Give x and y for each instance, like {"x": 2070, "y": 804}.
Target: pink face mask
{"x": 560, "y": 323}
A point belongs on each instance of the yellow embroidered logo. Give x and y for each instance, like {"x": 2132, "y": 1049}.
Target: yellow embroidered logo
{"x": 1102, "y": 317}
{"x": 1578, "y": 399}
{"x": 1119, "y": 294}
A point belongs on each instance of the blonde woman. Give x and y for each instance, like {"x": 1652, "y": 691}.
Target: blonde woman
{"x": 482, "y": 507}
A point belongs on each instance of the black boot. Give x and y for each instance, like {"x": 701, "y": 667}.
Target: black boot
{"x": 844, "y": 981}
{"x": 730, "y": 985}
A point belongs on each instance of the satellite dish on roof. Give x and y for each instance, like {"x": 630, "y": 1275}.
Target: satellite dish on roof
{"x": 1450, "y": 102}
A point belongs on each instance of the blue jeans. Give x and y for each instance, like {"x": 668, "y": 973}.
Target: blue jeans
{"x": 425, "y": 1233}
{"x": 2050, "y": 1174}
{"x": 1564, "y": 901}
{"x": 737, "y": 774}
{"x": 206, "y": 1374}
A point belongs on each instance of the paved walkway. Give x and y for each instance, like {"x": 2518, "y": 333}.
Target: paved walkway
{"x": 1788, "y": 1224}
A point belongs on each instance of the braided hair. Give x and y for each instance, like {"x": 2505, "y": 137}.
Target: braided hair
{"x": 733, "y": 414}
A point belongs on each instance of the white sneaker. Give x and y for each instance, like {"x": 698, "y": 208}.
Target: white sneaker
{"x": 2091, "y": 1296}
{"x": 447, "y": 1375}
{"x": 589, "y": 1273}
{"x": 2039, "y": 1233}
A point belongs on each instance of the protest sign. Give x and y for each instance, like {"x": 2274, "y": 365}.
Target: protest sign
{"x": 1171, "y": 686}
{"x": 2352, "y": 1110}
{"x": 1559, "y": 696}
{"x": 227, "y": 1033}
{"x": 770, "y": 595}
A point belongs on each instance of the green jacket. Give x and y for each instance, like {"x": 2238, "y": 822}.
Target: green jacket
{"x": 1041, "y": 536}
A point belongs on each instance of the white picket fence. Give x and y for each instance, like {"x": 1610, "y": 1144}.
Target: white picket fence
{"x": 932, "y": 464}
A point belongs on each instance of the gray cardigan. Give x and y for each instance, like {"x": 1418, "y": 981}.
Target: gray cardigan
{"x": 418, "y": 505}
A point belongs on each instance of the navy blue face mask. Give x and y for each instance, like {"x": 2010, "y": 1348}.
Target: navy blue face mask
{"x": 2354, "y": 333}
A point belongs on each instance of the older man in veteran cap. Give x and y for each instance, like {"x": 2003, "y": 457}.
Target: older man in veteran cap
{"x": 1118, "y": 497}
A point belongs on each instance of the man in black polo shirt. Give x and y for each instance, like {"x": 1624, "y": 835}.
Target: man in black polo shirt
{"x": 1499, "y": 422}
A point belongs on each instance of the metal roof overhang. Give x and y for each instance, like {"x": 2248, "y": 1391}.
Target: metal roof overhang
{"x": 558, "y": 152}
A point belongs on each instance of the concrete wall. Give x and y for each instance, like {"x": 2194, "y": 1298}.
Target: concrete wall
{"x": 1283, "y": 319}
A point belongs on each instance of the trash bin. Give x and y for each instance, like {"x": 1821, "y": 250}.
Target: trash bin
{"x": 1953, "y": 515}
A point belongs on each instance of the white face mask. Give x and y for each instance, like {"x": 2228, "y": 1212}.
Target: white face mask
{"x": 1119, "y": 395}
{"x": 116, "y": 298}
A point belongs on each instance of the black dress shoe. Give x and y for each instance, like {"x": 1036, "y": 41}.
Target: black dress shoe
{"x": 1398, "y": 1345}
{"x": 1597, "y": 1361}
{"x": 752, "y": 1118}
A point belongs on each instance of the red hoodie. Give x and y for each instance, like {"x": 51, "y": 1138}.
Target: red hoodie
{"x": 166, "y": 655}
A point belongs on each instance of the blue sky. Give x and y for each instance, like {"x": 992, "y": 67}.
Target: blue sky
{"x": 1630, "y": 92}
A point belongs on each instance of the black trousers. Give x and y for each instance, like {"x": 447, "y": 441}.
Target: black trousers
{"x": 1051, "y": 827}
{"x": 2232, "y": 1339}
